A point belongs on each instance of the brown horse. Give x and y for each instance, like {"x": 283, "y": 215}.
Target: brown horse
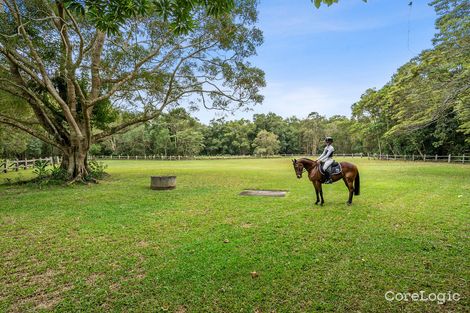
{"x": 349, "y": 174}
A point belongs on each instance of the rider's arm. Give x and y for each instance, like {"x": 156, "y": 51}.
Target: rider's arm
{"x": 320, "y": 158}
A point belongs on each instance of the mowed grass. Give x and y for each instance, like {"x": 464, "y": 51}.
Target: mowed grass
{"x": 120, "y": 247}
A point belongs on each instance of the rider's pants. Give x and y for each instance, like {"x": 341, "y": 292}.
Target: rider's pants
{"x": 327, "y": 164}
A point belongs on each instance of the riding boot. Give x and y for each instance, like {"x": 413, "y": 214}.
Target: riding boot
{"x": 327, "y": 177}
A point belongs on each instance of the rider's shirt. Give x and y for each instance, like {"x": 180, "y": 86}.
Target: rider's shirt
{"x": 327, "y": 153}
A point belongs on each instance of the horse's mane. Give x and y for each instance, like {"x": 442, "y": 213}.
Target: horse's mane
{"x": 308, "y": 161}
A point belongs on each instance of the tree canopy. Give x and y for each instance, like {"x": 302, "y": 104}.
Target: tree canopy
{"x": 89, "y": 69}
{"x": 423, "y": 109}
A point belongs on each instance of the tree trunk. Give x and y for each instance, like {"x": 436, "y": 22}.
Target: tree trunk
{"x": 74, "y": 161}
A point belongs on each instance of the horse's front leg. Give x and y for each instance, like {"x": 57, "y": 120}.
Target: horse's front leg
{"x": 320, "y": 190}
{"x": 316, "y": 192}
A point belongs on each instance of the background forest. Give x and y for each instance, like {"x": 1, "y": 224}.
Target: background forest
{"x": 423, "y": 109}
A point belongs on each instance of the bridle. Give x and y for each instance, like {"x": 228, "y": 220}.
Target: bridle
{"x": 303, "y": 168}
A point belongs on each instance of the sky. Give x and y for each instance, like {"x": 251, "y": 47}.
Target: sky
{"x": 322, "y": 60}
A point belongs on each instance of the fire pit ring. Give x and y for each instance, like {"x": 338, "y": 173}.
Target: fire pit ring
{"x": 162, "y": 182}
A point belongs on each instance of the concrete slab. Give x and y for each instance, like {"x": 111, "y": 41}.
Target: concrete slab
{"x": 263, "y": 193}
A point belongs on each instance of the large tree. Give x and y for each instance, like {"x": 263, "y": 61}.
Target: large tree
{"x": 89, "y": 69}
{"x": 266, "y": 143}
{"x": 425, "y": 108}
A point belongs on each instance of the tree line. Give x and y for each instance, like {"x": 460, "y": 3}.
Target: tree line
{"x": 423, "y": 109}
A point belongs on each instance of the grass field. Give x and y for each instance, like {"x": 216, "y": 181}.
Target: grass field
{"x": 118, "y": 246}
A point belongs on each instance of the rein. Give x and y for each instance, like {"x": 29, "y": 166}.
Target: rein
{"x": 315, "y": 164}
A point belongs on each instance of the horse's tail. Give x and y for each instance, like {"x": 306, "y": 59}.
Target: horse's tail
{"x": 357, "y": 185}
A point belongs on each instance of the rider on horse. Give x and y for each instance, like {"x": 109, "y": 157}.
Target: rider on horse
{"x": 327, "y": 158}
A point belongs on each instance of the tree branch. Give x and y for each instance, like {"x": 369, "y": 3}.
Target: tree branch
{"x": 100, "y": 136}
{"x": 15, "y": 123}
{"x": 139, "y": 64}
{"x": 42, "y": 68}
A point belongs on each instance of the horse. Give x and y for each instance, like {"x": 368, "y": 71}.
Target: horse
{"x": 349, "y": 174}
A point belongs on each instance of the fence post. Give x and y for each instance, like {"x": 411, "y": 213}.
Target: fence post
{"x": 435, "y": 158}
{"x": 5, "y": 166}
{"x": 424, "y": 158}
{"x": 413, "y": 157}
{"x": 463, "y": 158}
{"x": 17, "y": 165}
{"x": 448, "y": 159}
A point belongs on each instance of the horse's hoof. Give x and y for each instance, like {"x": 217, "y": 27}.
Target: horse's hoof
{"x": 349, "y": 203}
{"x": 316, "y": 203}
{"x": 321, "y": 203}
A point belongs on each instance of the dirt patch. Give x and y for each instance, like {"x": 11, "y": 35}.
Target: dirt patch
{"x": 263, "y": 193}
{"x": 143, "y": 244}
{"x": 44, "y": 279}
{"x": 140, "y": 276}
{"x": 91, "y": 280}
{"x": 114, "y": 286}
{"x": 41, "y": 300}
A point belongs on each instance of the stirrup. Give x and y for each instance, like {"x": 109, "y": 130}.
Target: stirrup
{"x": 328, "y": 181}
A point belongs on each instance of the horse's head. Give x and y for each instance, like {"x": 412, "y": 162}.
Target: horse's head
{"x": 298, "y": 168}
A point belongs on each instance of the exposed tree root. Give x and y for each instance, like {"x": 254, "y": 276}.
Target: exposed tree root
{"x": 76, "y": 180}
{"x": 93, "y": 180}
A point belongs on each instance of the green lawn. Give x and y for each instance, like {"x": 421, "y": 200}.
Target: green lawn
{"x": 119, "y": 246}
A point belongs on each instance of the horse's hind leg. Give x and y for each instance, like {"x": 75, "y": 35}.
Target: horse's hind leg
{"x": 349, "y": 184}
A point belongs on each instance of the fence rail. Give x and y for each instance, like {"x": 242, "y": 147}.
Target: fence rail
{"x": 424, "y": 158}
{"x": 15, "y": 165}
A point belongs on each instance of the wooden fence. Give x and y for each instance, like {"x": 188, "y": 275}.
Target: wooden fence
{"x": 424, "y": 158}
{"x": 16, "y": 165}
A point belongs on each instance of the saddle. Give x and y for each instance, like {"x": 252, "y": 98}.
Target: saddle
{"x": 335, "y": 168}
